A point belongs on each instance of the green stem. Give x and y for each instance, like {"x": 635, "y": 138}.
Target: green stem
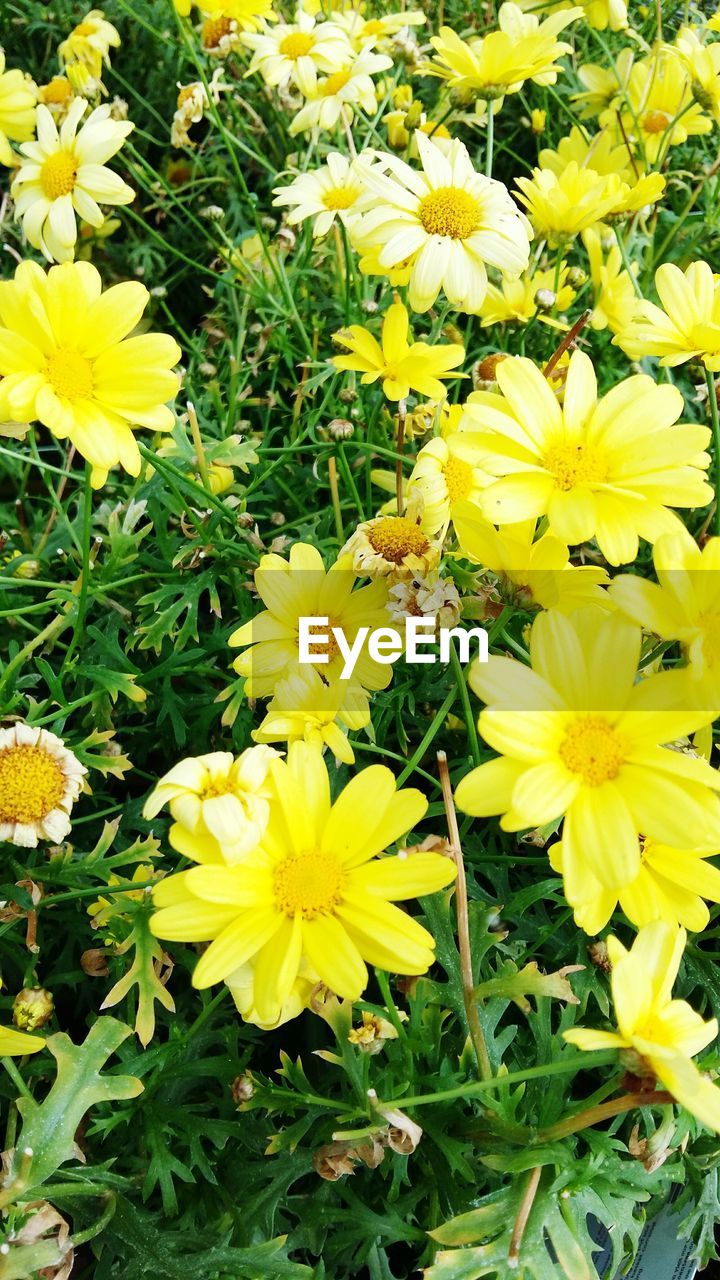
{"x": 715, "y": 421}
{"x": 85, "y": 571}
{"x": 490, "y": 141}
{"x": 428, "y": 737}
{"x": 461, "y": 683}
{"x": 626, "y": 262}
{"x": 16, "y": 1078}
{"x": 472, "y": 1089}
{"x": 604, "y": 1111}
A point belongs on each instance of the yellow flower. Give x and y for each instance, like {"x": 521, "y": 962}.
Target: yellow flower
{"x": 602, "y": 156}
{"x": 703, "y": 67}
{"x": 615, "y": 300}
{"x": 305, "y": 708}
{"x": 335, "y": 190}
{"x": 657, "y": 109}
{"x": 340, "y": 95}
{"x": 602, "y": 14}
{"x": 532, "y": 575}
{"x": 664, "y": 1033}
{"x": 241, "y": 984}
{"x": 40, "y": 780}
{"x": 670, "y": 885}
{"x": 449, "y": 220}
{"x": 293, "y": 53}
{"x": 500, "y": 62}
{"x": 394, "y": 547}
{"x": 562, "y": 205}
{"x": 446, "y": 473}
{"x": 247, "y": 15}
{"x": 66, "y": 360}
{"x": 15, "y": 1044}
{"x": 315, "y": 890}
{"x": 57, "y": 95}
{"x": 85, "y": 50}
{"x": 303, "y": 588}
{"x": 605, "y": 468}
{"x": 64, "y": 174}
{"x": 516, "y": 301}
{"x": 403, "y": 367}
{"x": 537, "y": 120}
{"x": 366, "y": 33}
{"x": 18, "y": 95}
{"x": 602, "y": 85}
{"x": 713, "y": 23}
{"x": 580, "y": 739}
{"x": 401, "y": 132}
{"x": 220, "y": 804}
{"x": 689, "y": 326}
{"x": 685, "y": 606}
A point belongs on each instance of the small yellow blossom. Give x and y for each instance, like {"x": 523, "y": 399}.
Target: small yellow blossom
{"x": 401, "y": 365}
{"x": 18, "y": 96}
{"x": 615, "y": 300}
{"x": 689, "y": 326}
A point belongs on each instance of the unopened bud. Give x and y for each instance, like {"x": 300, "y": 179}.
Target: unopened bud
{"x": 545, "y": 299}
{"x": 32, "y": 1008}
{"x": 340, "y": 429}
{"x": 242, "y": 1089}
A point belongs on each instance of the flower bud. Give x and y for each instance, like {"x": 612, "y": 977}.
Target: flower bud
{"x": 32, "y": 1008}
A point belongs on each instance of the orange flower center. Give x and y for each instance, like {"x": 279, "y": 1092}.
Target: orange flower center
{"x": 297, "y": 44}
{"x": 70, "y": 375}
{"x": 57, "y": 91}
{"x": 449, "y": 211}
{"x": 329, "y": 646}
{"x": 31, "y": 784}
{"x": 308, "y": 884}
{"x": 57, "y": 175}
{"x": 395, "y": 537}
{"x": 656, "y": 121}
{"x": 592, "y": 748}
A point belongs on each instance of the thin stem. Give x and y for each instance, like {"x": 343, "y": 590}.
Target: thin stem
{"x": 490, "y": 141}
{"x": 715, "y": 421}
{"x": 463, "y": 923}
{"x": 476, "y": 1088}
{"x": 335, "y": 495}
{"x": 199, "y": 448}
{"x": 85, "y": 571}
{"x": 603, "y": 1111}
{"x": 461, "y": 683}
{"x": 627, "y": 263}
{"x": 399, "y": 443}
{"x": 523, "y": 1214}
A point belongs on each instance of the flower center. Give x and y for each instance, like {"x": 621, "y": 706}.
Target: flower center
{"x": 373, "y": 28}
{"x": 340, "y": 197}
{"x": 186, "y": 92}
{"x": 84, "y": 29}
{"x": 297, "y": 44}
{"x": 656, "y": 121}
{"x": 310, "y": 884}
{"x": 31, "y": 784}
{"x": 710, "y": 624}
{"x": 58, "y": 90}
{"x": 330, "y": 645}
{"x": 58, "y": 173}
{"x": 574, "y": 464}
{"x": 449, "y": 211}
{"x": 395, "y": 537}
{"x": 458, "y": 478}
{"x": 592, "y": 748}
{"x": 434, "y": 130}
{"x": 335, "y": 83}
{"x": 216, "y": 787}
{"x": 213, "y": 31}
{"x": 70, "y": 375}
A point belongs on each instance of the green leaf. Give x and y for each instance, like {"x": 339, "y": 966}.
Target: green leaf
{"x": 143, "y": 973}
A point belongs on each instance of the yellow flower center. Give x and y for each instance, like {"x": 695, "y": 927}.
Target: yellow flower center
{"x": 574, "y": 464}
{"x": 70, "y": 375}
{"x": 186, "y": 92}
{"x": 57, "y": 175}
{"x": 329, "y": 646}
{"x": 31, "y": 784}
{"x": 458, "y": 478}
{"x": 213, "y": 31}
{"x": 297, "y": 44}
{"x": 57, "y": 91}
{"x": 434, "y": 130}
{"x": 84, "y": 29}
{"x": 373, "y": 28}
{"x": 656, "y": 121}
{"x": 216, "y": 787}
{"x": 335, "y": 83}
{"x": 309, "y": 884}
{"x": 592, "y": 748}
{"x": 395, "y": 537}
{"x": 710, "y": 624}
{"x": 449, "y": 211}
{"x": 340, "y": 197}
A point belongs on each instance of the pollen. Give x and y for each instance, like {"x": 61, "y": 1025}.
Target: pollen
{"x": 308, "y": 884}
{"x": 216, "y": 787}
{"x": 296, "y": 45}
{"x": 450, "y": 211}
{"x": 395, "y": 537}
{"x": 574, "y": 465}
{"x": 335, "y": 83}
{"x": 593, "y": 748}
{"x": 70, "y": 375}
{"x": 57, "y": 175}
{"x": 330, "y": 645}
{"x": 31, "y": 784}
{"x": 655, "y": 121}
{"x": 458, "y": 478}
{"x": 340, "y": 197}
{"x": 214, "y": 29}
{"x": 57, "y": 91}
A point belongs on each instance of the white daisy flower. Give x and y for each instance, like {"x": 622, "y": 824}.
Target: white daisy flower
{"x": 40, "y": 780}
{"x": 294, "y": 52}
{"x": 342, "y": 93}
{"x": 335, "y": 190}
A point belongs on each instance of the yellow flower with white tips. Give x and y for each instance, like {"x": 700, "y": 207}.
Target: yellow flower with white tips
{"x": 686, "y": 326}
{"x": 315, "y": 892}
{"x": 367, "y": 33}
{"x": 342, "y": 94}
{"x": 219, "y": 803}
{"x": 66, "y": 360}
{"x": 449, "y": 221}
{"x": 395, "y": 547}
{"x": 40, "y": 780}
{"x": 403, "y": 366}
{"x": 580, "y": 738}
{"x": 665, "y": 1034}
{"x": 446, "y": 473}
{"x": 305, "y": 708}
{"x": 532, "y": 574}
{"x": 63, "y": 174}
{"x": 295, "y": 53}
{"x": 18, "y": 95}
{"x": 335, "y": 190}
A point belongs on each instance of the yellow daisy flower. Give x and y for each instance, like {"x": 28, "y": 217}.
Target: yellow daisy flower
{"x": 670, "y": 885}
{"x": 602, "y": 14}
{"x": 306, "y": 709}
{"x": 657, "y": 109}
{"x": 67, "y": 361}
{"x": 403, "y": 367}
{"x": 293, "y": 53}
{"x": 446, "y": 473}
{"x": 665, "y": 1034}
{"x": 366, "y": 33}
{"x": 561, "y": 205}
{"x": 241, "y": 984}
{"x": 40, "y": 780}
{"x": 703, "y": 66}
{"x": 601, "y": 155}
{"x": 498, "y": 63}
{"x": 579, "y": 738}
{"x": 64, "y": 174}
{"x": 85, "y": 50}
{"x": 247, "y": 15}
{"x": 532, "y": 574}
{"x": 335, "y": 190}
{"x": 517, "y": 301}
{"x": 303, "y": 588}
{"x": 394, "y": 547}
{"x": 340, "y": 95}
{"x": 315, "y": 891}
{"x": 615, "y": 300}
{"x": 449, "y": 220}
{"x": 219, "y": 803}
{"x": 18, "y": 95}
{"x": 603, "y": 85}
{"x": 686, "y": 327}
{"x": 607, "y": 468}
{"x": 57, "y": 95}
